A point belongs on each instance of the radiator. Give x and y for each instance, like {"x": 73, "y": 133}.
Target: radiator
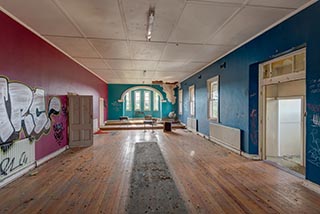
{"x": 192, "y": 124}
{"x": 226, "y": 136}
{"x": 19, "y": 156}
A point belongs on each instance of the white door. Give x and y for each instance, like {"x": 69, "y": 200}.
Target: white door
{"x": 80, "y": 121}
{"x": 101, "y": 112}
{"x": 291, "y": 128}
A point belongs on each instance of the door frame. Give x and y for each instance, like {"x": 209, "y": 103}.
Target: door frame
{"x": 101, "y": 112}
{"x": 263, "y": 98}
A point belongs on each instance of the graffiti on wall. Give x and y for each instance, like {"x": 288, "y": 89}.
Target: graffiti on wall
{"x": 23, "y": 110}
{"x": 58, "y": 132}
{"x": 20, "y": 155}
{"x": 314, "y": 152}
{"x": 313, "y": 149}
{"x": 253, "y": 126}
{"x": 116, "y": 106}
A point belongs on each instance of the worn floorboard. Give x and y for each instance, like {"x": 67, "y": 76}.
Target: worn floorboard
{"x": 209, "y": 178}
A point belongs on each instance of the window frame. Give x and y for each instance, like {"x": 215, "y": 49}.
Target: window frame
{"x": 144, "y": 100}
{"x": 156, "y": 99}
{"x": 212, "y": 99}
{"x": 128, "y": 101}
{"x": 180, "y": 101}
{"x": 135, "y": 101}
{"x": 192, "y": 100}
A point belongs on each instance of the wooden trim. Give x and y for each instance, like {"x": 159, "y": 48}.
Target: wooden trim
{"x": 50, "y": 156}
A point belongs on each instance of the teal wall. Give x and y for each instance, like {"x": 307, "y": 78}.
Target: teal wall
{"x": 115, "y": 108}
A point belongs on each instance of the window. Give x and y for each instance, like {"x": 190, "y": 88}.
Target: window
{"x": 147, "y": 101}
{"x": 290, "y": 66}
{"x": 213, "y": 98}
{"x": 155, "y": 102}
{"x": 137, "y": 100}
{"x": 128, "y": 101}
{"x": 192, "y": 101}
{"x": 180, "y": 101}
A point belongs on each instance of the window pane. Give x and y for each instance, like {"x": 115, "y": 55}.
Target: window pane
{"x": 156, "y": 102}
{"x": 147, "y": 101}
{"x": 213, "y": 98}
{"x": 192, "y": 101}
{"x": 128, "y": 101}
{"x": 137, "y": 100}
{"x": 180, "y": 101}
{"x": 299, "y": 62}
{"x": 282, "y": 67}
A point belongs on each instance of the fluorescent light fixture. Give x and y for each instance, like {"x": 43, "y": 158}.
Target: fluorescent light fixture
{"x": 150, "y": 24}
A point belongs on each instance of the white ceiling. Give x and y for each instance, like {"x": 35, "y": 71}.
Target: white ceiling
{"x": 109, "y": 36}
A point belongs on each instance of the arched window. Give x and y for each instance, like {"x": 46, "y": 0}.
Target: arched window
{"x": 142, "y": 100}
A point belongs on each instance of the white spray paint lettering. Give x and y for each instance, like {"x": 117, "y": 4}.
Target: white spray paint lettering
{"x": 22, "y": 108}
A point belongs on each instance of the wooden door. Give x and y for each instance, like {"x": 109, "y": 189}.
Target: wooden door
{"x": 80, "y": 121}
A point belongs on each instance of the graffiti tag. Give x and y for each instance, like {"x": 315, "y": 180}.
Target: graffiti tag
{"x": 23, "y": 108}
{"x": 10, "y": 164}
{"x": 314, "y": 152}
{"x": 58, "y": 132}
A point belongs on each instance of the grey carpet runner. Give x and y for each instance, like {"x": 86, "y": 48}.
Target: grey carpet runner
{"x": 152, "y": 189}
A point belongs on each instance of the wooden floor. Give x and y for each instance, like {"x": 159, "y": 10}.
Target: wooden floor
{"x": 209, "y": 178}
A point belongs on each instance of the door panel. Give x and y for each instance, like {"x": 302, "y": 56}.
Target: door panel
{"x": 81, "y": 122}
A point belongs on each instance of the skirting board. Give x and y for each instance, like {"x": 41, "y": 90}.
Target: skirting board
{"x": 250, "y": 156}
{"x": 312, "y": 186}
{"x": 50, "y": 156}
{"x": 203, "y": 135}
{"x": 226, "y": 146}
{"x": 17, "y": 175}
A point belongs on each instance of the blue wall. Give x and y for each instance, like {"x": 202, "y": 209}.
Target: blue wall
{"x": 115, "y": 108}
{"x": 239, "y": 83}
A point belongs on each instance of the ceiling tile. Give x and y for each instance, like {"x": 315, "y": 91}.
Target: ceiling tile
{"x": 42, "y": 16}
{"x": 106, "y": 74}
{"x": 96, "y": 18}
{"x": 147, "y": 50}
{"x": 199, "y": 21}
{"x": 208, "y": 53}
{"x": 249, "y": 22}
{"x": 179, "y": 67}
{"x": 168, "y": 76}
{"x": 115, "y": 81}
{"x": 115, "y": 49}
{"x": 145, "y": 65}
{"x": 166, "y": 14}
{"x": 137, "y": 81}
{"x": 120, "y": 64}
{"x": 192, "y": 67}
{"x": 135, "y": 74}
{"x": 76, "y": 47}
{"x": 181, "y": 52}
{"x": 279, "y": 3}
{"x": 169, "y": 66}
{"x": 93, "y": 63}
{"x": 225, "y": 1}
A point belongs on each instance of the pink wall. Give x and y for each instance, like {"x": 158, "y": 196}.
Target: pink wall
{"x": 56, "y": 138}
{"x": 27, "y": 58}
